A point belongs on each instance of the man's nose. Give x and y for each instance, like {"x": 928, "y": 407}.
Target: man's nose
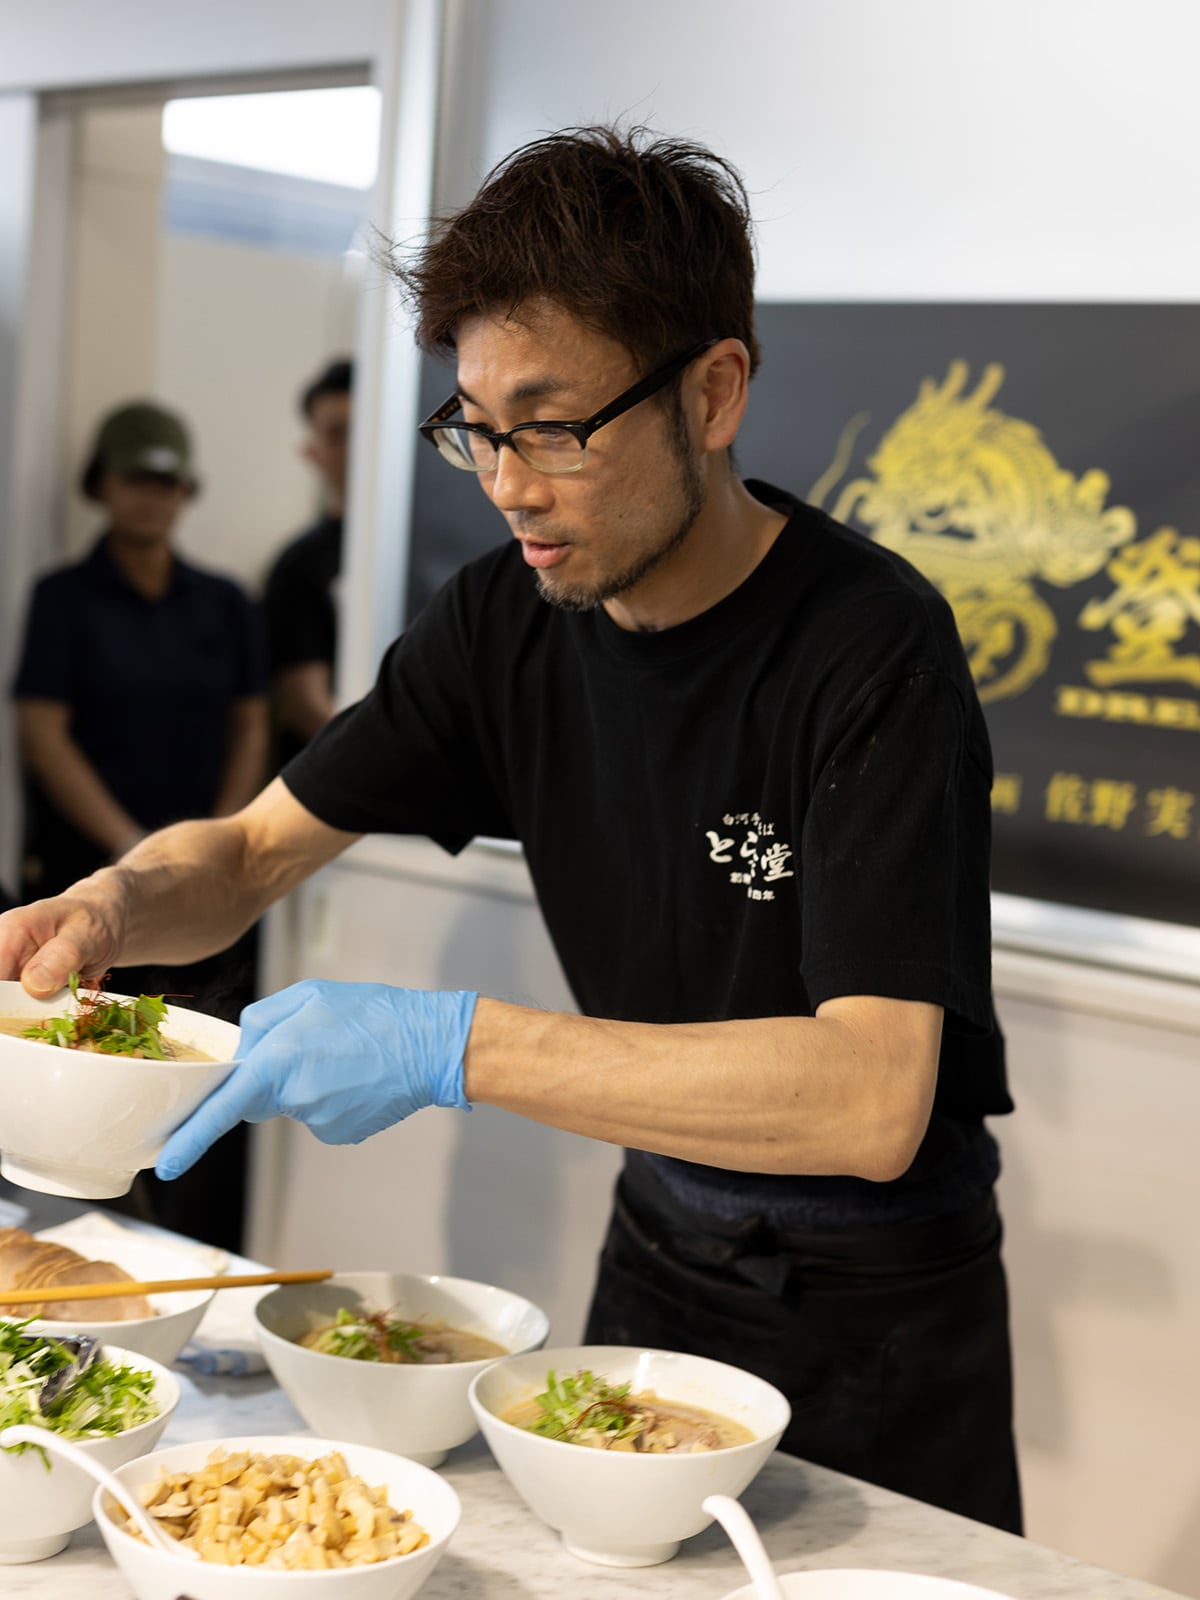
{"x": 515, "y": 485}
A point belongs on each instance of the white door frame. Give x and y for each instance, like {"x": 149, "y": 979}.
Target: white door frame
{"x": 397, "y": 44}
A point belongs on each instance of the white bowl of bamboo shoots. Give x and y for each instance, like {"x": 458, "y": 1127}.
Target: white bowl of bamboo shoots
{"x": 619, "y": 1493}
{"x": 241, "y": 1536}
{"x": 414, "y": 1405}
{"x": 83, "y": 1123}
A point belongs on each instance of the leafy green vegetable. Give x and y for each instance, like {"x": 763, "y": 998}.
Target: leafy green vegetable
{"x": 115, "y": 1027}
{"x": 103, "y": 1400}
{"x": 362, "y": 1338}
{"x": 576, "y": 1407}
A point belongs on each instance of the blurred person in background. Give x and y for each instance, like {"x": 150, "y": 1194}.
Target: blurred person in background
{"x": 140, "y": 700}
{"x": 299, "y": 600}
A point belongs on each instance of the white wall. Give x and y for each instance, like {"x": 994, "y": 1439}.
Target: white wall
{"x": 115, "y": 259}
{"x": 1040, "y": 149}
{"x": 240, "y": 330}
{"x": 1100, "y": 1190}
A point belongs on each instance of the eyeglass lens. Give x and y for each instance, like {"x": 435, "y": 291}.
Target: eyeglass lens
{"x": 545, "y": 449}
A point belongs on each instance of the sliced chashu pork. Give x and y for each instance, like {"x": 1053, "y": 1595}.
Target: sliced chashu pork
{"x": 29, "y": 1263}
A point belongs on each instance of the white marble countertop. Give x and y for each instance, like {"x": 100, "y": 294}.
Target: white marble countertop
{"x": 808, "y": 1517}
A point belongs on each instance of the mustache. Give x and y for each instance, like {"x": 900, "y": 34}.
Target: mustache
{"x": 534, "y": 527}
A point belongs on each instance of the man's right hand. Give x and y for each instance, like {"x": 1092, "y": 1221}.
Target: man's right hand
{"x": 80, "y": 931}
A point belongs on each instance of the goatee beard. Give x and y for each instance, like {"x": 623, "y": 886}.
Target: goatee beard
{"x": 567, "y": 599}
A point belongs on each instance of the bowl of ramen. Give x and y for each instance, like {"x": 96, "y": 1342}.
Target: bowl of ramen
{"x": 85, "y": 1102}
{"x": 617, "y": 1447}
{"x": 157, "y": 1325}
{"x": 116, "y": 1410}
{"x": 271, "y": 1517}
{"x": 386, "y": 1358}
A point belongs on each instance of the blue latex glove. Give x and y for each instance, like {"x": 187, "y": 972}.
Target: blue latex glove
{"x": 346, "y": 1059}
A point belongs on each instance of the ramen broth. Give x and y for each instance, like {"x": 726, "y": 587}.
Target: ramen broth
{"x": 175, "y": 1050}
{"x": 371, "y": 1336}
{"x": 664, "y": 1427}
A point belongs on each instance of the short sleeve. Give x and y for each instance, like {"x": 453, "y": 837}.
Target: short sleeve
{"x": 895, "y": 856}
{"x": 45, "y": 671}
{"x": 301, "y": 621}
{"x": 408, "y": 757}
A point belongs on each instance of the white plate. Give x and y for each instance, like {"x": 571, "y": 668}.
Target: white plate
{"x": 853, "y": 1583}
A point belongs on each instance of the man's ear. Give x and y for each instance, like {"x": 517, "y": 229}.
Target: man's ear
{"x": 722, "y": 380}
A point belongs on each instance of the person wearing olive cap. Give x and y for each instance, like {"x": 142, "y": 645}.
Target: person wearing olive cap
{"x": 140, "y": 692}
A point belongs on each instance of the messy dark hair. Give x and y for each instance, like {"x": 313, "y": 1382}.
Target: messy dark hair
{"x": 336, "y": 378}
{"x": 645, "y": 240}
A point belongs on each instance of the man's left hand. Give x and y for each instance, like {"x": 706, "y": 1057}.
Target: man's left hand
{"x": 346, "y": 1059}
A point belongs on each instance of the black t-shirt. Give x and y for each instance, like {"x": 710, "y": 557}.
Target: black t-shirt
{"x": 782, "y": 800}
{"x": 150, "y": 684}
{"x": 298, "y": 599}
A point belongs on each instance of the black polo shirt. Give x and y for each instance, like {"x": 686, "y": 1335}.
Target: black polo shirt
{"x": 150, "y": 684}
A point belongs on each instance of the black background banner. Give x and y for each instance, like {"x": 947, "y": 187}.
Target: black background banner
{"x": 1041, "y": 463}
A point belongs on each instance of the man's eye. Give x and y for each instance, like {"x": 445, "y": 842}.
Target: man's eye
{"x": 550, "y": 435}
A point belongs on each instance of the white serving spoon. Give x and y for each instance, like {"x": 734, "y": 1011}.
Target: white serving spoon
{"x": 743, "y": 1535}
{"x": 21, "y": 1433}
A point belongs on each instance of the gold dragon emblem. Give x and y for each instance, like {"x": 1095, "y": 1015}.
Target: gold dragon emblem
{"x": 975, "y": 499}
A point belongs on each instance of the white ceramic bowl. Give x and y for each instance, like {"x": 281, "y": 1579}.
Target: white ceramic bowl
{"x": 617, "y": 1508}
{"x": 420, "y": 1411}
{"x": 83, "y": 1124}
{"x": 855, "y": 1583}
{"x": 154, "y": 1575}
{"x": 177, "y": 1316}
{"x": 40, "y": 1508}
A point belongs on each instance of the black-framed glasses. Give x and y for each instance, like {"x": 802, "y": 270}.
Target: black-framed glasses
{"x": 545, "y": 446}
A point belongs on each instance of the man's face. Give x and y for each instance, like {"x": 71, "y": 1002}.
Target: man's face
{"x": 596, "y": 534}
{"x": 327, "y": 443}
{"x": 142, "y": 506}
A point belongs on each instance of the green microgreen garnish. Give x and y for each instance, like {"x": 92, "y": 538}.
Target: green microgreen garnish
{"x": 103, "y": 1400}
{"x": 578, "y": 1407}
{"x": 363, "y": 1337}
{"x": 115, "y": 1027}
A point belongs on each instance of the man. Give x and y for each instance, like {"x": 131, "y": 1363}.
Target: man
{"x": 299, "y": 604}
{"x": 742, "y": 750}
{"x": 140, "y": 701}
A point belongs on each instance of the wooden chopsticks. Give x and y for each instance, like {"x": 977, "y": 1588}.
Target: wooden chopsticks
{"x": 100, "y": 1291}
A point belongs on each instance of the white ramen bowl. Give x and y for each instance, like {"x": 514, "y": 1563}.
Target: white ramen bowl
{"x": 420, "y": 1411}
{"x": 619, "y": 1508}
{"x": 83, "y": 1124}
{"x": 41, "y": 1507}
{"x": 863, "y": 1583}
{"x": 155, "y": 1575}
{"x": 176, "y": 1316}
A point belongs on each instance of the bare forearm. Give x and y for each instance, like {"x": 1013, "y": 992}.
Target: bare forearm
{"x": 245, "y": 762}
{"x": 836, "y": 1093}
{"x": 76, "y": 789}
{"x": 304, "y": 698}
{"x": 183, "y": 893}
